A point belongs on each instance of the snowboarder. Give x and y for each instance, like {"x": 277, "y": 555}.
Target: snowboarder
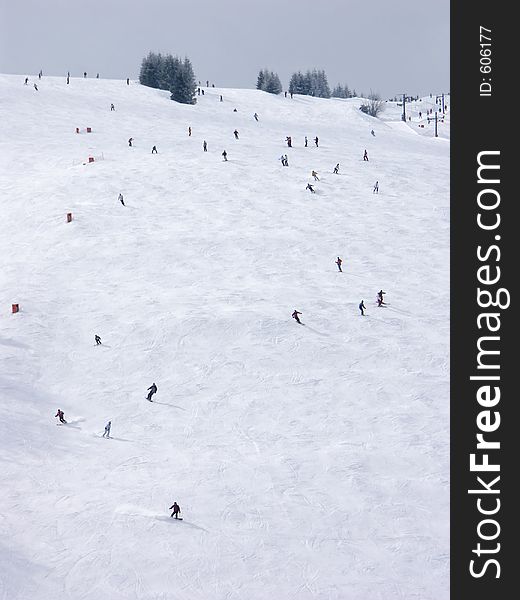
{"x": 205, "y": 146}
{"x": 176, "y": 510}
{"x": 338, "y": 262}
{"x": 153, "y": 390}
{"x": 154, "y": 150}
{"x": 112, "y": 107}
{"x": 256, "y": 117}
{"x": 362, "y": 307}
{"x": 235, "y": 134}
{"x": 189, "y": 131}
{"x": 310, "y": 188}
{"x": 35, "y": 87}
{"x": 61, "y": 416}
{"x": 306, "y": 141}
{"x": 224, "y": 154}
{"x": 376, "y": 188}
{"x": 98, "y": 340}
{"x": 365, "y": 155}
{"x": 120, "y": 198}
{"x": 315, "y": 175}
{"x": 336, "y": 169}
{"x": 380, "y": 301}
{"x": 289, "y": 141}
{"x": 295, "y": 316}
{"x": 107, "y": 429}
{"x": 316, "y": 141}
{"x": 130, "y": 141}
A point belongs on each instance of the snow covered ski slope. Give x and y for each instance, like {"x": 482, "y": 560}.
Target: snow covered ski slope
{"x": 309, "y": 462}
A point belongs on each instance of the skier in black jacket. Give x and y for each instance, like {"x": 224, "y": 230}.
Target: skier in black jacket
{"x": 153, "y": 390}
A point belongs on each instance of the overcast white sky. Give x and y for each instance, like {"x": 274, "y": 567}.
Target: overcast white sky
{"x": 388, "y": 46}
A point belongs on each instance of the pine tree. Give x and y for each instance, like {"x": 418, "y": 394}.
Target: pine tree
{"x": 169, "y": 67}
{"x": 273, "y": 84}
{"x": 260, "y": 82}
{"x": 149, "y": 74}
{"x": 184, "y": 84}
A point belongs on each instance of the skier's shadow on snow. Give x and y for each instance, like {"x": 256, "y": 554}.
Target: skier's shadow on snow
{"x": 184, "y": 523}
{"x": 171, "y": 405}
{"x": 73, "y": 424}
{"x": 315, "y": 330}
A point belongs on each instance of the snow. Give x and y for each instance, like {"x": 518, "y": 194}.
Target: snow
{"x": 309, "y": 462}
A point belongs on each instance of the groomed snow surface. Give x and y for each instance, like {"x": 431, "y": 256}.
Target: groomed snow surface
{"x": 309, "y": 461}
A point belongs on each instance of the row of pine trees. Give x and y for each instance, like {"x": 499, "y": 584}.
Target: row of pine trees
{"x": 167, "y": 72}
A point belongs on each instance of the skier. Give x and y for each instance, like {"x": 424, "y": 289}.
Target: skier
{"x": 315, "y": 175}
{"x": 60, "y": 415}
{"x": 289, "y": 141}
{"x": 127, "y": 81}
{"x": 84, "y": 74}
{"x": 295, "y": 316}
{"x": 224, "y": 154}
{"x": 365, "y": 155}
{"x": 130, "y": 141}
{"x": 35, "y": 87}
{"x": 189, "y": 131}
{"x": 373, "y": 133}
{"x": 112, "y": 107}
{"x": 362, "y": 307}
{"x": 176, "y": 510}
{"x": 205, "y": 146}
{"x": 285, "y": 94}
{"x": 107, "y": 429}
{"x": 285, "y": 161}
{"x": 98, "y": 340}
{"x": 120, "y": 198}
{"x": 221, "y": 99}
{"x": 306, "y": 141}
{"x": 68, "y": 79}
{"x": 256, "y": 117}
{"x": 154, "y": 150}
{"x": 310, "y": 188}
{"x": 97, "y": 75}
{"x": 336, "y": 169}
{"x": 26, "y": 81}
{"x": 380, "y": 301}
{"x": 40, "y": 74}
{"x": 316, "y": 141}
{"x": 376, "y": 188}
{"x": 236, "y": 134}
{"x": 153, "y": 390}
{"x": 338, "y": 262}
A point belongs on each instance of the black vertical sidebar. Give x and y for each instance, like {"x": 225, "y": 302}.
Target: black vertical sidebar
{"x": 485, "y": 256}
